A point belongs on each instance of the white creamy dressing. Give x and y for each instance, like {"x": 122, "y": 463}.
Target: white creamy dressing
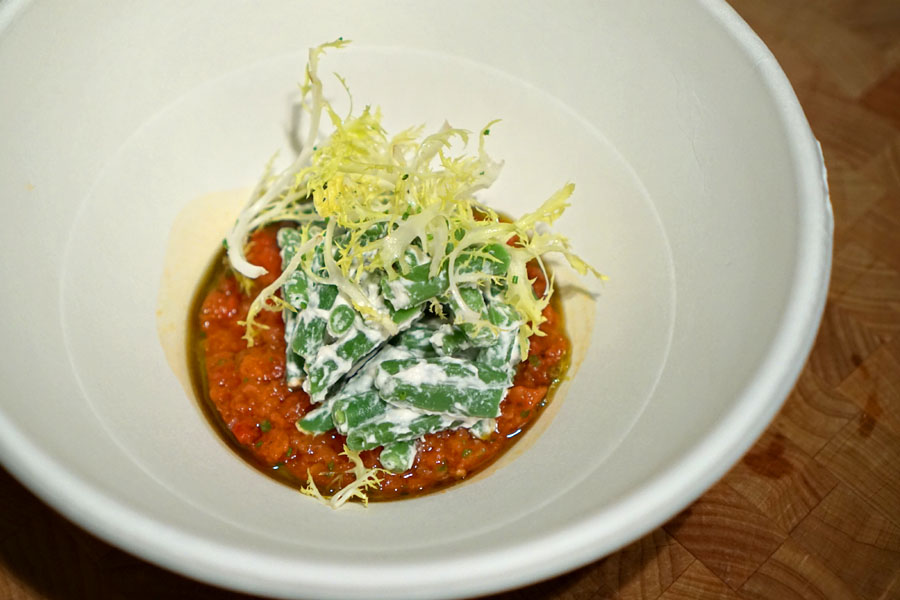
{"x": 398, "y": 293}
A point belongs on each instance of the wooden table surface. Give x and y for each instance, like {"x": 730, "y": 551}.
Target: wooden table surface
{"x": 813, "y": 510}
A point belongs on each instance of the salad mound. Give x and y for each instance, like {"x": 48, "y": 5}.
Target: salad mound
{"x": 407, "y": 304}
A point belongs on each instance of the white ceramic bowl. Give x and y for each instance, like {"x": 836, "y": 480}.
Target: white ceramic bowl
{"x": 127, "y": 128}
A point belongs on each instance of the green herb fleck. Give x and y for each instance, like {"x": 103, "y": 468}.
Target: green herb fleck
{"x": 258, "y": 444}
{"x": 466, "y": 452}
{"x": 534, "y": 360}
{"x": 487, "y": 132}
{"x": 442, "y": 468}
{"x": 405, "y": 176}
{"x": 265, "y": 426}
{"x": 515, "y": 279}
{"x": 524, "y": 414}
{"x": 331, "y": 465}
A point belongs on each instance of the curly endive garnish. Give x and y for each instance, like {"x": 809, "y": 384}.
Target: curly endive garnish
{"x": 418, "y": 192}
{"x": 273, "y": 192}
{"x": 364, "y": 479}
{"x": 267, "y": 300}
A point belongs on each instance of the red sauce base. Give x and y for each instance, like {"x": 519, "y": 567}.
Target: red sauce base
{"x": 248, "y": 398}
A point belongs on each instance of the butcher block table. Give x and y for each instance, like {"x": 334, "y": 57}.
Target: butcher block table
{"x": 813, "y": 510}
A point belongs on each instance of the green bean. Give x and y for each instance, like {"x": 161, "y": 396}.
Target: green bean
{"x": 415, "y": 287}
{"x": 502, "y": 355}
{"x": 450, "y": 340}
{"x": 319, "y": 378}
{"x": 327, "y": 295}
{"x": 316, "y": 421}
{"x": 346, "y": 341}
{"x": 293, "y": 369}
{"x": 502, "y": 314}
{"x": 405, "y": 314}
{"x": 417, "y": 339}
{"x": 378, "y": 433}
{"x": 473, "y": 298}
{"x": 309, "y": 332}
{"x": 293, "y": 364}
{"x": 375, "y": 232}
{"x": 433, "y": 368}
{"x": 309, "y": 335}
{"x": 353, "y": 410}
{"x": 441, "y": 385}
{"x": 483, "y": 428}
{"x": 450, "y": 399}
{"x": 295, "y": 290}
{"x": 357, "y": 347}
{"x": 340, "y": 320}
{"x": 398, "y": 457}
{"x": 493, "y": 259}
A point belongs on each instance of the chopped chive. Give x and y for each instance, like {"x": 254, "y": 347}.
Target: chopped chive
{"x": 442, "y": 468}
{"x": 331, "y": 465}
{"x": 265, "y": 426}
{"x": 487, "y": 132}
{"x": 289, "y": 452}
{"x": 466, "y": 452}
{"x": 534, "y": 360}
{"x": 405, "y": 176}
{"x": 525, "y": 413}
{"x": 515, "y": 279}
{"x": 258, "y": 444}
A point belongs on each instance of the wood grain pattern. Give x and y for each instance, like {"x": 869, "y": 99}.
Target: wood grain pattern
{"x": 792, "y": 573}
{"x": 813, "y": 510}
{"x": 710, "y": 527}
